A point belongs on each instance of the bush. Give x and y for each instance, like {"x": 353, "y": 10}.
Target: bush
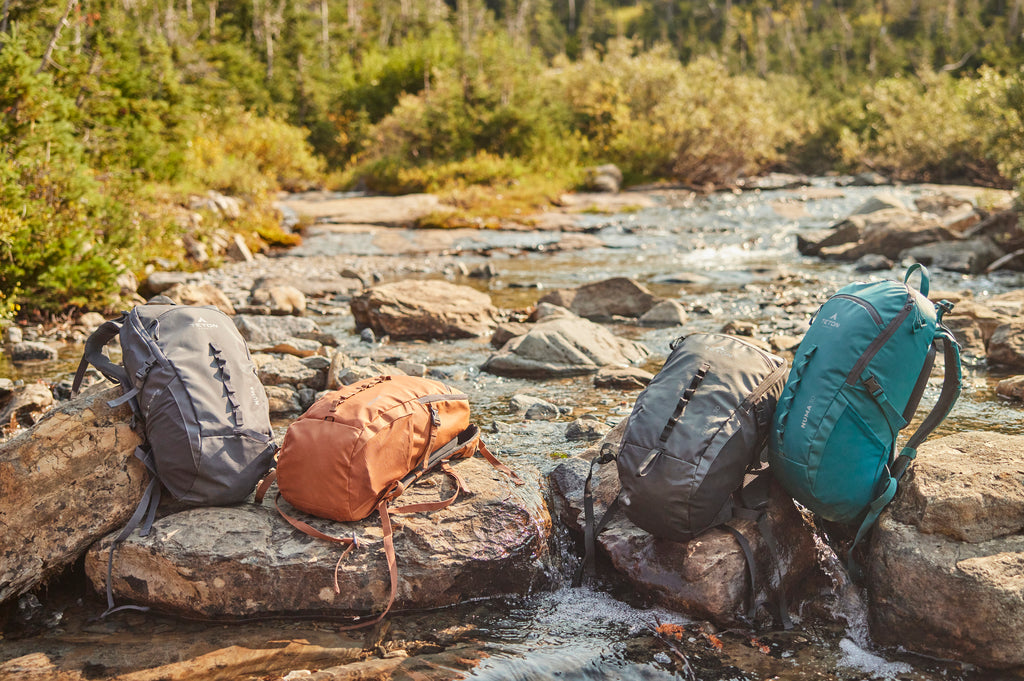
{"x": 656, "y": 118}
{"x": 931, "y": 128}
{"x": 239, "y": 153}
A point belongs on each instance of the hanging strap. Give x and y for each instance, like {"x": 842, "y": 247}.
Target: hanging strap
{"x": 590, "y": 530}
{"x": 753, "y": 505}
{"x": 951, "y": 385}
{"x": 143, "y": 517}
{"x": 93, "y": 354}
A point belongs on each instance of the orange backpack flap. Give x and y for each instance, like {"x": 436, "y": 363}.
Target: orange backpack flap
{"x": 351, "y": 447}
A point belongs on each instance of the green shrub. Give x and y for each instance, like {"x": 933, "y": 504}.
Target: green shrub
{"x": 657, "y": 118}
{"x": 239, "y": 153}
{"x": 931, "y": 127}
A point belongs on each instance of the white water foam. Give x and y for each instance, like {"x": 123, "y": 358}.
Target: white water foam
{"x": 855, "y": 657}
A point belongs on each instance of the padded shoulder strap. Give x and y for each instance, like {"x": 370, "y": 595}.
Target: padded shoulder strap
{"x": 93, "y": 354}
{"x": 951, "y": 384}
{"x": 590, "y": 530}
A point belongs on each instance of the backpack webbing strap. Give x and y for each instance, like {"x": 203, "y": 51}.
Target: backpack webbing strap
{"x": 786, "y": 401}
{"x": 93, "y": 354}
{"x": 143, "y": 517}
{"x": 389, "y": 553}
{"x": 684, "y": 399}
{"x": 590, "y": 531}
{"x": 748, "y": 556}
{"x": 754, "y": 506}
{"x": 951, "y": 383}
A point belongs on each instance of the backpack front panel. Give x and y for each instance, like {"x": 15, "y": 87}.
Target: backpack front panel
{"x": 197, "y": 383}
{"x": 832, "y": 441}
{"x": 679, "y": 487}
{"x": 353, "y": 444}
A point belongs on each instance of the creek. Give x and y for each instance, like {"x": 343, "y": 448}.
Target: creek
{"x": 725, "y": 257}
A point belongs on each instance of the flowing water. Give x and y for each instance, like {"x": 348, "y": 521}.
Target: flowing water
{"x": 725, "y": 257}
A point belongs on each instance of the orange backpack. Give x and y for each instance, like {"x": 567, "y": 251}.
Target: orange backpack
{"x": 358, "y": 448}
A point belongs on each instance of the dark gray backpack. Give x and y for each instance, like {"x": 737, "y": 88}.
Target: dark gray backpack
{"x": 694, "y": 434}
{"x": 188, "y": 375}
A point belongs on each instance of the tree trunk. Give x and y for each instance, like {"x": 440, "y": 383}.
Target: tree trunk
{"x": 325, "y": 35}
{"x": 213, "y": 17}
{"x": 56, "y": 34}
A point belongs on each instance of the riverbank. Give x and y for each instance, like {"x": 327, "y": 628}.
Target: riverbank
{"x": 728, "y": 260}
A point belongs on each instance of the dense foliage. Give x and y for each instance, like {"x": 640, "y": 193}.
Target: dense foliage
{"x": 114, "y": 114}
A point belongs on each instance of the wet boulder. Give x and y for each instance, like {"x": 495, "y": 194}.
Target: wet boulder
{"x": 434, "y": 309}
{"x": 246, "y": 560}
{"x": 947, "y": 556}
{"x": 1006, "y": 347}
{"x": 65, "y": 483}
{"x": 564, "y": 345}
{"x": 26, "y": 405}
{"x": 969, "y": 256}
{"x": 1011, "y": 388}
{"x": 705, "y": 577}
{"x": 605, "y": 300}
{"x": 890, "y": 232}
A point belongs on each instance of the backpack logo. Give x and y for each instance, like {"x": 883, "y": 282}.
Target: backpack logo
{"x": 203, "y": 324}
{"x": 831, "y": 321}
{"x": 256, "y": 401}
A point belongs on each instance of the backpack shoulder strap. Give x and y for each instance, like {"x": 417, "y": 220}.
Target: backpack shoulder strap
{"x": 753, "y": 505}
{"x": 951, "y": 384}
{"x": 591, "y": 528}
{"x": 93, "y": 354}
{"x": 143, "y": 517}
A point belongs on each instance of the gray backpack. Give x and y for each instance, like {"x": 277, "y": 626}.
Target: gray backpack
{"x": 695, "y": 433}
{"x": 188, "y": 375}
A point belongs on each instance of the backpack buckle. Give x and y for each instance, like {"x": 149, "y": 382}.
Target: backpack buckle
{"x": 943, "y": 307}
{"x": 873, "y": 386}
{"x": 607, "y": 453}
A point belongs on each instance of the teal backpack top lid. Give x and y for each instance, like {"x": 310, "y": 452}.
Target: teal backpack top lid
{"x": 856, "y": 381}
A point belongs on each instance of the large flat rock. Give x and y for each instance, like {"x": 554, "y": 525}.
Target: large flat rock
{"x": 246, "y": 560}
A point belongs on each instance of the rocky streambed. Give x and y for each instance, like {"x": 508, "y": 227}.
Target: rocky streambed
{"x": 551, "y": 325}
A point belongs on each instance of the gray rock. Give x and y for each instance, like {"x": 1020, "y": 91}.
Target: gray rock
{"x": 586, "y": 429}
{"x": 604, "y": 300}
{"x": 1012, "y": 388}
{"x": 263, "y": 330}
{"x": 31, "y": 351}
{"x": 246, "y": 560}
{"x": 13, "y": 334}
{"x": 289, "y": 370}
{"x": 970, "y": 256}
{"x": 948, "y": 553}
{"x": 27, "y": 405}
{"x": 160, "y": 281}
{"x": 1006, "y": 347}
{"x": 665, "y": 313}
{"x": 564, "y": 346}
{"x": 631, "y": 378}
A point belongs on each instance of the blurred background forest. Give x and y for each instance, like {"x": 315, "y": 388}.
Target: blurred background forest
{"x": 115, "y": 114}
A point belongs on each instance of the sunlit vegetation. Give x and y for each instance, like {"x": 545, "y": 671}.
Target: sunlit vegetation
{"x": 116, "y": 114}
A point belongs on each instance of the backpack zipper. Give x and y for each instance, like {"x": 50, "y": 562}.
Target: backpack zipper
{"x": 880, "y": 340}
{"x": 863, "y": 303}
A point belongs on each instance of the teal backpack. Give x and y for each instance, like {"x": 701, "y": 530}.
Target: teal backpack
{"x": 855, "y": 383}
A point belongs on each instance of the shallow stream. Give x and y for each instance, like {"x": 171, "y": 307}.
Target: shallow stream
{"x": 726, "y": 257}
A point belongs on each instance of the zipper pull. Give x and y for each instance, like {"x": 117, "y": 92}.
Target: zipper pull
{"x": 648, "y": 463}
